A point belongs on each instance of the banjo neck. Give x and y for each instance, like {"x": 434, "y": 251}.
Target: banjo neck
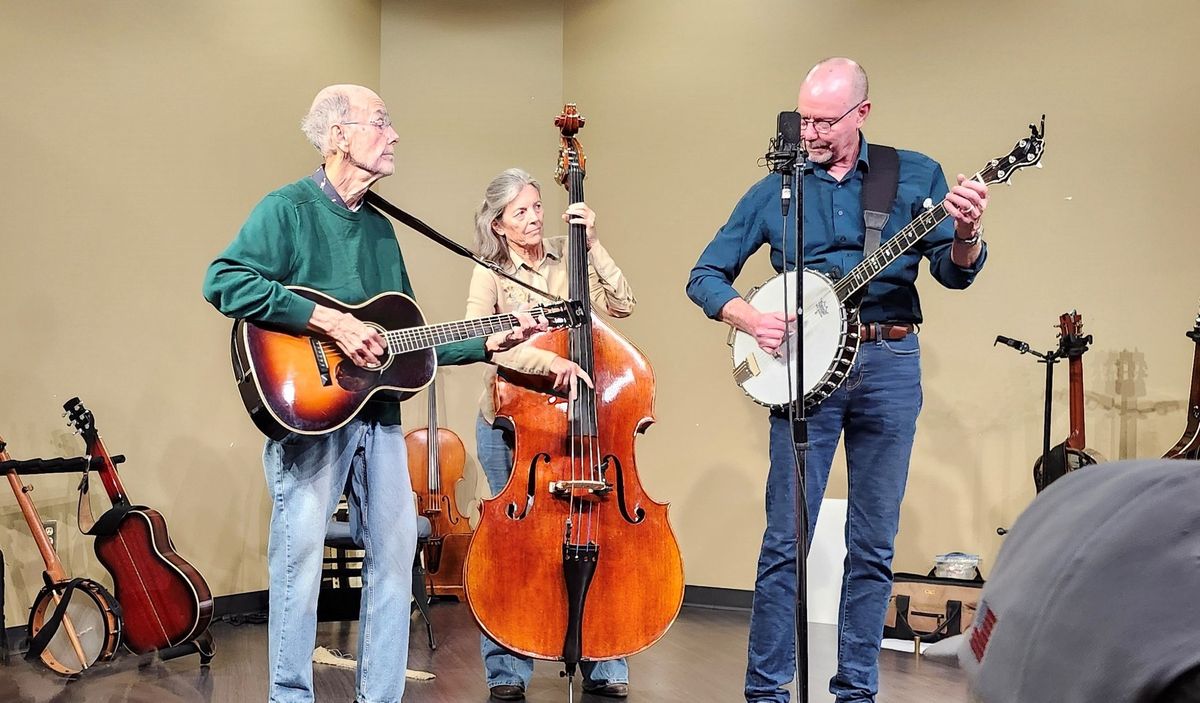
{"x": 862, "y": 274}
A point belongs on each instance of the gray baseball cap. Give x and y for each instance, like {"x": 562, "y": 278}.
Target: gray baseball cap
{"x": 1095, "y": 595}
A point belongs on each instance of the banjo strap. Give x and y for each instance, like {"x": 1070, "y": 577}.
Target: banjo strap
{"x": 878, "y": 193}
{"x": 39, "y": 641}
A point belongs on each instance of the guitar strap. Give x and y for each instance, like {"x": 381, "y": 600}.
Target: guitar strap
{"x": 879, "y": 192}
{"x": 109, "y": 520}
{"x": 381, "y": 204}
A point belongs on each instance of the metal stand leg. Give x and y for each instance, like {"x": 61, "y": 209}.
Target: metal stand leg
{"x": 422, "y": 597}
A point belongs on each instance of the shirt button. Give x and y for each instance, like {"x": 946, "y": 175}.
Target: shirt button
{"x": 841, "y": 239}
{"x": 840, "y": 212}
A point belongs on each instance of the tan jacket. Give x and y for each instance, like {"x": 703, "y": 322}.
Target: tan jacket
{"x": 489, "y": 294}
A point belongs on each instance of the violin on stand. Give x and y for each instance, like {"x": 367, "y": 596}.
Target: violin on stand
{"x": 1188, "y": 446}
{"x": 436, "y": 458}
{"x": 573, "y": 561}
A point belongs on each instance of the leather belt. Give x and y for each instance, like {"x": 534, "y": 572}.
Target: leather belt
{"x": 890, "y": 331}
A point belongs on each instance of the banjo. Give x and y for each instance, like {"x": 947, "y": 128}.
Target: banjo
{"x": 831, "y": 307}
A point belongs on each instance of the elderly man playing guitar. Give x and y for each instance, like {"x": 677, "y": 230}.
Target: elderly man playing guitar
{"x": 316, "y": 233}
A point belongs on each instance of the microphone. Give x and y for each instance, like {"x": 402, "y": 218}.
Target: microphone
{"x": 1014, "y": 343}
{"x": 785, "y": 152}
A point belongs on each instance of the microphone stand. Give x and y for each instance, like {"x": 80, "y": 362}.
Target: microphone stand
{"x": 1049, "y": 359}
{"x": 797, "y": 415}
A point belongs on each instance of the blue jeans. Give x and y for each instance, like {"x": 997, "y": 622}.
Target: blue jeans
{"x": 306, "y": 476}
{"x": 877, "y": 409}
{"x": 495, "y": 448}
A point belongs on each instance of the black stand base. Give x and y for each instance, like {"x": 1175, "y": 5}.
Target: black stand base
{"x": 202, "y": 645}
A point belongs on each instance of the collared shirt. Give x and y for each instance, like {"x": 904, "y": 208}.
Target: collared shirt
{"x": 490, "y": 294}
{"x": 834, "y": 235}
{"x": 327, "y": 188}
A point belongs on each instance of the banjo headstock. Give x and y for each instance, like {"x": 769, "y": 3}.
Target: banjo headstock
{"x": 1027, "y": 152}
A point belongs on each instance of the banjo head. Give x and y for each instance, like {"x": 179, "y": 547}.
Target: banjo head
{"x": 764, "y": 377}
{"x": 94, "y": 621}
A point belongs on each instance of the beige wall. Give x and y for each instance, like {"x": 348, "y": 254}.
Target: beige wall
{"x": 682, "y": 98}
{"x": 143, "y": 132}
{"x": 140, "y": 135}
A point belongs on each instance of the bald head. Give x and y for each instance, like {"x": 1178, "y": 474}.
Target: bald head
{"x": 835, "y": 80}
{"x": 334, "y": 104}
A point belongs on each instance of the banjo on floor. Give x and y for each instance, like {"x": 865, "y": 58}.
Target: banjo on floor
{"x": 831, "y": 308}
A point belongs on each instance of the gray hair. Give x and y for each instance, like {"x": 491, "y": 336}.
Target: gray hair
{"x": 324, "y": 113}
{"x": 503, "y": 189}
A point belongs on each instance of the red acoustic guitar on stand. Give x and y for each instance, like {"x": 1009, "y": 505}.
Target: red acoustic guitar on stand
{"x": 1073, "y": 453}
{"x": 1188, "y": 446}
{"x": 164, "y": 599}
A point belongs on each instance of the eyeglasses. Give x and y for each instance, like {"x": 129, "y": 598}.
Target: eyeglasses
{"x": 380, "y": 124}
{"x": 823, "y": 125}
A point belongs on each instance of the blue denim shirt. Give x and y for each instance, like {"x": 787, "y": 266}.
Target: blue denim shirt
{"x": 834, "y": 235}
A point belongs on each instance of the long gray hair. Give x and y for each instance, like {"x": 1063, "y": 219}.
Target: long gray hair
{"x": 500, "y": 192}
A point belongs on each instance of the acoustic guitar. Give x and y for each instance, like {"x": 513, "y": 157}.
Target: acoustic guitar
{"x": 303, "y": 383}
{"x": 1072, "y": 453}
{"x": 1188, "y": 446}
{"x": 164, "y": 599}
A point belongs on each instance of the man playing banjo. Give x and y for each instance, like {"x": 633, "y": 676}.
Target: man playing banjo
{"x": 878, "y": 404}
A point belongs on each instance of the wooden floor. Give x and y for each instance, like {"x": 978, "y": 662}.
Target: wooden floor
{"x": 702, "y": 658}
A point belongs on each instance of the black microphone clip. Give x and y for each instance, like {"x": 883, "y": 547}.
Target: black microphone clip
{"x": 1014, "y": 343}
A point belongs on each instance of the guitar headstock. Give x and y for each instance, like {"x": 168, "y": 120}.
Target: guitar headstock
{"x": 1071, "y": 341}
{"x": 564, "y": 314}
{"x": 80, "y": 418}
{"x": 1195, "y": 333}
{"x": 1027, "y": 152}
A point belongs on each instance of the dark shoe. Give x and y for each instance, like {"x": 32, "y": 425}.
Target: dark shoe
{"x": 608, "y": 690}
{"x": 508, "y": 692}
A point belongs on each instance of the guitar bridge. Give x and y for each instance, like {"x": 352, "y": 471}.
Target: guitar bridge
{"x": 322, "y": 362}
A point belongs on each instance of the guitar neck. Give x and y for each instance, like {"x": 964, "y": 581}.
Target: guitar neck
{"x": 1076, "y": 438}
{"x": 862, "y": 274}
{"x": 417, "y": 338}
{"x": 1194, "y": 396}
{"x": 108, "y": 472}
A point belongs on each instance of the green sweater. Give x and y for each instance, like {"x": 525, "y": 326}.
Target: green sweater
{"x": 297, "y": 237}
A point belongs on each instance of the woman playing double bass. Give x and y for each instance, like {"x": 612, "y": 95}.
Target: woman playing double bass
{"x": 509, "y": 231}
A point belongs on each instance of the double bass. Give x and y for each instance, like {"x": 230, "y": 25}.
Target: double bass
{"x": 436, "y": 458}
{"x": 1188, "y": 446}
{"x": 1072, "y": 453}
{"x": 573, "y": 560}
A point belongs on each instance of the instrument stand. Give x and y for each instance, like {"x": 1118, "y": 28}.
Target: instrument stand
{"x": 202, "y": 645}
{"x": 1050, "y": 358}
{"x": 3, "y": 631}
{"x": 799, "y": 421}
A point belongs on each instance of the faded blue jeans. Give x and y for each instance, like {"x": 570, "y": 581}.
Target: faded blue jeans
{"x": 495, "y": 449}
{"x": 306, "y": 476}
{"x": 876, "y": 409}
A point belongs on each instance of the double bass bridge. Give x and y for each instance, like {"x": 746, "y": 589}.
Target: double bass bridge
{"x": 581, "y": 489}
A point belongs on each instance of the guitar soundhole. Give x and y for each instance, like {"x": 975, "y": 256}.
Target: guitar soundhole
{"x": 354, "y": 378}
